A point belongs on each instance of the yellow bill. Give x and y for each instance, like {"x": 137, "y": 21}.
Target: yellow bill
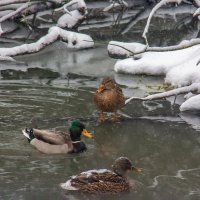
{"x": 136, "y": 169}
{"x": 101, "y": 88}
{"x": 86, "y": 133}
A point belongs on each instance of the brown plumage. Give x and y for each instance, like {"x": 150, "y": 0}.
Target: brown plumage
{"x": 109, "y": 98}
{"x": 103, "y": 181}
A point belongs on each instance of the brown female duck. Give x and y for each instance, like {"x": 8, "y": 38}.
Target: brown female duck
{"x": 103, "y": 180}
{"x": 50, "y": 142}
{"x": 109, "y": 98}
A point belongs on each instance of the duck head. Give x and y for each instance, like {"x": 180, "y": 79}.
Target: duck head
{"x": 107, "y": 84}
{"x": 76, "y": 130}
{"x": 122, "y": 165}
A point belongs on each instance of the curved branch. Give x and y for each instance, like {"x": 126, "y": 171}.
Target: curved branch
{"x": 12, "y": 14}
{"x": 72, "y": 39}
{"x": 157, "y": 6}
{"x": 195, "y": 87}
{"x": 7, "y": 58}
{"x": 8, "y": 2}
{"x": 131, "y": 49}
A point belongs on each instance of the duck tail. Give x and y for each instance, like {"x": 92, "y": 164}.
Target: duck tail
{"x": 26, "y": 134}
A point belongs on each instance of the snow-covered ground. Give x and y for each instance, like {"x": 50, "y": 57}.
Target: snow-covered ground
{"x": 180, "y": 67}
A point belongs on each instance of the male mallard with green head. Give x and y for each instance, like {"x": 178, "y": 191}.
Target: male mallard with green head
{"x": 103, "y": 180}
{"x": 58, "y": 142}
{"x": 109, "y": 98}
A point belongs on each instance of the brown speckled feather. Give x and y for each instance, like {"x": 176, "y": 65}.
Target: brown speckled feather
{"x": 107, "y": 182}
{"x": 109, "y": 100}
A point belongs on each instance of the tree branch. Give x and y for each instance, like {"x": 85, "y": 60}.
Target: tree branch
{"x": 157, "y": 6}
{"x": 133, "y": 49}
{"x": 72, "y": 39}
{"x": 195, "y": 87}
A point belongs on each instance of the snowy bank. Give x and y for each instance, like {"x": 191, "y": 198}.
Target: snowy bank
{"x": 179, "y": 66}
{"x": 192, "y": 103}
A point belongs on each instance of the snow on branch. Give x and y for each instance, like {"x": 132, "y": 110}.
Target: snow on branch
{"x": 126, "y": 50}
{"x": 157, "y": 6}
{"x": 195, "y": 87}
{"x": 4, "y": 18}
{"x": 72, "y": 40}
{"x": 122, "y": 4}
{"x": 8, "y": 2}
{"x": 74, "y": 17}
{"x": 192, "y": 104}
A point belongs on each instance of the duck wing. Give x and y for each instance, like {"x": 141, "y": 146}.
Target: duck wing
{"x": 120, "y": 97}
{"x": 97, "y": 181}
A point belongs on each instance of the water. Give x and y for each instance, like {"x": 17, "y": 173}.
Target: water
{"x": 154, "y": 135}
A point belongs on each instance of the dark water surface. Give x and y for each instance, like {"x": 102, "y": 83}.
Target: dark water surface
{"x": 154, "y": 135}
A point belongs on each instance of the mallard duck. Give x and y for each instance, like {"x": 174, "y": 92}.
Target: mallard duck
{"x": 103, "y": 180}
{"x": 109, "y": 98}
{"x": 50, "y": 142}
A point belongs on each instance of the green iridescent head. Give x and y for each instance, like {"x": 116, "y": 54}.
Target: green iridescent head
{"x": 77, "y": 129}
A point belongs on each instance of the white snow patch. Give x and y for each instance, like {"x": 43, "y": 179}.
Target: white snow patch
{"x": 192, "y": 103}
{"x": 179, "y": 66}
{"x": 114, "y": 48}
{"x": 69, "y": 20}
{"x": 115, "y": 5}
{"x": 189, "y": 95}
{"x": 184, "y": 74}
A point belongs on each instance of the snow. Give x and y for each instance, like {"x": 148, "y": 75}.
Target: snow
{"x": 155, "y": 8}
{"x": 69, "y": 20}
{"x": 73, "y": 40}
{"x": 183, "y": 75}
{"x": 193, "y": 103}
{"x": 114, "y": 48}
{"x": 115, "y": 5}
{"x": 189, "y": 95}
{"x": 179, "y": 66}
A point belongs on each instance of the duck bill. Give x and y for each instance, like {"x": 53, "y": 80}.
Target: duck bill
{"x": 86, "y": 133}
{"x": 136, "y": 169}
{"x": 101, "y": 88}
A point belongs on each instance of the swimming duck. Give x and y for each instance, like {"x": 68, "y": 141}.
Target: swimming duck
{"x": 103, "y": 180}
{"x": 50, "y": 142}
{"x": 109, "y": 98}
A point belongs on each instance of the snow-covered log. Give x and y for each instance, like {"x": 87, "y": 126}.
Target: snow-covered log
{"x": 72, "y": 40}
{"x": 179, "y": 66}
